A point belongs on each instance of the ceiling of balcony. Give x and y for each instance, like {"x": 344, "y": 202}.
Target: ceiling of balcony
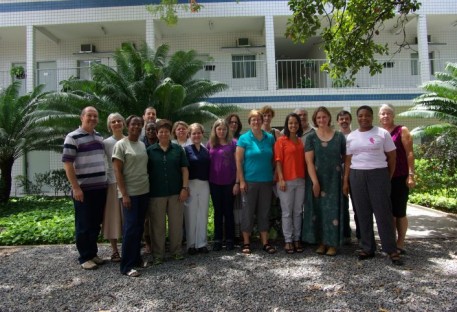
{"x": 202, "y": 26}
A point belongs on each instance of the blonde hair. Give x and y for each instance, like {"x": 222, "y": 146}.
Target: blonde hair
{"x": 176, "y": 125}
{"x": 195, "y": 126}
{"x": 113, "y": 116}
{"x": 255, "y": 113}
{"x": 213, "y": 139}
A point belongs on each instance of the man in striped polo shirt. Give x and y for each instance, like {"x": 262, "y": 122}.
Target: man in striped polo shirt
{"x": 84, "y": 162}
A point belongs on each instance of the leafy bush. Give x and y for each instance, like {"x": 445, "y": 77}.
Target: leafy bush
{"x": 56, "y": 180}
{"x": 432, "y": 179}
{"x": 32, "y": 220}
{"x": 439, "y": 202}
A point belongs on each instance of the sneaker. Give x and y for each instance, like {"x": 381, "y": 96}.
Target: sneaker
{"x": 133, "y": 273}
{"x": 98, "y": 260}
{"x": 203, "y": 250}
{"x": 178, "y": 257}
{"x": 89, "y": 265}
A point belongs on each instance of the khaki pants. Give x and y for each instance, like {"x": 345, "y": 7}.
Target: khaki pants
{"x": 159, "y": 209}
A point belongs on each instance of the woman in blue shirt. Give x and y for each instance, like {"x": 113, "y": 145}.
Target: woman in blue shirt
{"x": 196, "y": 210}
{"x": 254, "y": 164}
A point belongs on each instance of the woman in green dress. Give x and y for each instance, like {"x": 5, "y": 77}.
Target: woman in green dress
{"x": 323, "y": 217}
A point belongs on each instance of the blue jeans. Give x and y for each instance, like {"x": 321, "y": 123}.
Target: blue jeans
{"x": 222, "y": 196}
{"x": 88, "y": 220}
{"x": 133, "y": 231}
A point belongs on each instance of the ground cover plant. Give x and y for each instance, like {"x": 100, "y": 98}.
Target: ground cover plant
{"x": 33, "y": 220}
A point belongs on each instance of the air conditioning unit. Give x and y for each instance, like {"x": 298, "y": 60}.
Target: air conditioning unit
{"x": 87, "y": 48}
{"x": 243, "y": 42}
{"x": 429, "y": 39}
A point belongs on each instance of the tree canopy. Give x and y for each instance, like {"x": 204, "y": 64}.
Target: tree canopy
{"x": 348, "y": 29}
{"x": 144, "y": 77}
{"x": 27, "y": 125}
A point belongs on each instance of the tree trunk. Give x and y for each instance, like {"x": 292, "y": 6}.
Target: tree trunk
{"x": 6, "y": 168}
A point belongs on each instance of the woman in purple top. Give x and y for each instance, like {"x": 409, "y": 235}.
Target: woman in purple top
{"x": 222, "y": 175}
{"x": 403, "y": 178}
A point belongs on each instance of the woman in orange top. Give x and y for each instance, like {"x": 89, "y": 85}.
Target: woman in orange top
{"x": 290, "y": 172}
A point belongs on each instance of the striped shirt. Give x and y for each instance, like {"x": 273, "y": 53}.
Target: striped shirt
{"x": 86, "y": 151}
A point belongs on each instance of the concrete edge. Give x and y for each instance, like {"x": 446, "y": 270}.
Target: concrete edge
{"x": 445, "y": 214}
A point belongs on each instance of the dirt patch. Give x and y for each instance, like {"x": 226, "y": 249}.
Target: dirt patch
{"x": 7, "y": 251}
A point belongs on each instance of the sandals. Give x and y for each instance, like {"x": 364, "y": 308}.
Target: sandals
{"x": 269, "y": 249}
{"x": 331, "y": 251}
{"x": 395, "y": 258}
{"x": 289, "y": 249}
{"x": 115, "y": 257}
{"x": 401, "y": 251}
{"x": 133, "y": 273}
{"x": 246, "y": 249}
{"x": 298, "y": 247}
{"x": 365, "y": 256}
{"x": 321, "y": 250}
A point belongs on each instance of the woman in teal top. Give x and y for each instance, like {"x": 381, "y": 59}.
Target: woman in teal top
{"x": 254, "y": 164}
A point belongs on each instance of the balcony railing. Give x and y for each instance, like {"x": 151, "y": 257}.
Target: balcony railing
{"x": 251, "y": 75}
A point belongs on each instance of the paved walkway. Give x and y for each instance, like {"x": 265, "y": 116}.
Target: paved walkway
{"x": 426, "y": 223}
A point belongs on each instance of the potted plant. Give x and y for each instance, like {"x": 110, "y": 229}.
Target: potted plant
{"x": 18, "y": 72}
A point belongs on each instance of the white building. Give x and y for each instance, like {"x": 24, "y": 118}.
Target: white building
{"x": 243, "y": 43}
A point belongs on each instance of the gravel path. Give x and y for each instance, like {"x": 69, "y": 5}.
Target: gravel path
{"x": 48, "y": 278}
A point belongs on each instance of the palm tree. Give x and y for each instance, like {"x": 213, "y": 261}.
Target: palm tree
{"x": 440, "y": 102}
{"x": 26, "y": 125}
{"x": 143, "y": 78}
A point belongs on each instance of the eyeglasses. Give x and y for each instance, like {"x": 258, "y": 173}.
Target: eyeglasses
{"x": 116, "y": 121}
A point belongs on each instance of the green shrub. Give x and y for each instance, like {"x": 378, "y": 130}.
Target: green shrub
{"x": 32, "y": 220}
{"x": 440, "y": 202}
{"x": 432, "y": 179}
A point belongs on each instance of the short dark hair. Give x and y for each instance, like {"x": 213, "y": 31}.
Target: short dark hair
{"x": 342, "y": 113}
{"x": 286, "y": 123}
{"x": 131, "y": 117}
{"x": 368, "y": 108}
{"x": 163, "y": 123}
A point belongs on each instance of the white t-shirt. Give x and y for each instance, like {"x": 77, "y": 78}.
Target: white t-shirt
{"x": 368, "y": 148}
{"x": 135, "y": 159}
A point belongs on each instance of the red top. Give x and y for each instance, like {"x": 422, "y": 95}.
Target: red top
{"x": 292, "y": 157}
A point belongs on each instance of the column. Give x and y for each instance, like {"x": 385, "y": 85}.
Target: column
{"x": 150, "y": 32}
{"x": 422, "y": 48}
{"x": 30, "y": 58}
{"x": 270, "y": 53}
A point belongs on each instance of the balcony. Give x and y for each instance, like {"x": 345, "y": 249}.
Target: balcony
{"x": 251, "y": 75}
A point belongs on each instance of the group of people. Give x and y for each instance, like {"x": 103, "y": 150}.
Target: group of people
{"x": 131, "y": 186}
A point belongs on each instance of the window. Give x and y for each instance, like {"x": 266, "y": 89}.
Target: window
{"x": 243, "y": 66}
{"x": 388, "y": 64}
{"x": 84, "y": 72}
{"x": 415, "y": 63}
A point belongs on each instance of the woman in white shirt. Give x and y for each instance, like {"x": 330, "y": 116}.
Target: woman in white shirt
{"x": 369, "y": 166}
